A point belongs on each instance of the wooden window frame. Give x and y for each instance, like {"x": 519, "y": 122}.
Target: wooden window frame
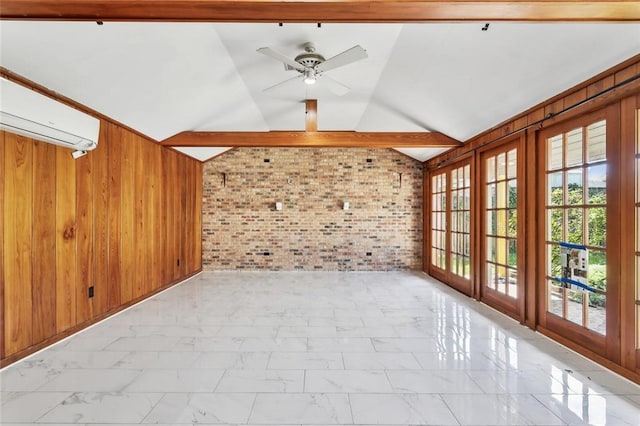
{"x": 563, "y": 330}
{"x": 466, "y": 286}
{"x": 514, "y": 307}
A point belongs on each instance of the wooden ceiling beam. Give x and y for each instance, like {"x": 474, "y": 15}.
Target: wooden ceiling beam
{"x": 312, "y": 139}
{"x": 320, "y": 11}
{"x": 311, "y": 115}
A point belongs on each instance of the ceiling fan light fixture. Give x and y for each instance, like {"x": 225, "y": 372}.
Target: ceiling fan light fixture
{"x": 309, "y": 77}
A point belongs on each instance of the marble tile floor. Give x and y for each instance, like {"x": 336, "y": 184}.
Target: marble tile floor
{"x": 294, "y": 348}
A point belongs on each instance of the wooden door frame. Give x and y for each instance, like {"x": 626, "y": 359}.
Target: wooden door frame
{"x": 464, "y": 286}
{"x": 515, "y": 308}
{"x": 606, "y": 346}
{"x": 630, "y": 354}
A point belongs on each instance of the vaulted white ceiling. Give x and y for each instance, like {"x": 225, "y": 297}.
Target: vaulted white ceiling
{"x": 165, "y": 78}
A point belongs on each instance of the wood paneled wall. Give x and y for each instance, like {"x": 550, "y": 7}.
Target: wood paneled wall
{"x": 124, "y": 219}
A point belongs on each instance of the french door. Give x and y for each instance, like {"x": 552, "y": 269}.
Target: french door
{"x": 450, "y": 223}
{"x": 501, "y": 265}
{"x": 580, "y": 250}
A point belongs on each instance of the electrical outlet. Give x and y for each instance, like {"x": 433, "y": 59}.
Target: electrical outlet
{"x": 91, "y": 292}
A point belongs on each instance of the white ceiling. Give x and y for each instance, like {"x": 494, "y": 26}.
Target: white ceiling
{"x": 165, "y": 78}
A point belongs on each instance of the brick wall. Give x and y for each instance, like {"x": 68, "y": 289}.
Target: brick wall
{"x": 382, "y": 230}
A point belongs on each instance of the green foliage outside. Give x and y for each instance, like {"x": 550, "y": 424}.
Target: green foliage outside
{"x": 597, "y": 227}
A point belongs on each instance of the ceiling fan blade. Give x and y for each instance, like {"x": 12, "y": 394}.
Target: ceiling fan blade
{"x": 356, "y": 53}
{"x": 283, "y": 83}
{"x": 335, "y": 86}
{"x": 282, "y": 58}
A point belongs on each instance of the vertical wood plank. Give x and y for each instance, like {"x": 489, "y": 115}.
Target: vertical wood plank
{"x": 156, "y": 220}
{"x": 182, "y": 175}
{"x": 84, "y": 238}
{"x": 140, "y": 243}
{"x": 2, "y": 208}
{"x": 65, "y": 239}
{"x": 189, "y": 206}
{"x": 44, "y": 241}
{"x": 115, "y": 237}
{"x": 170, "y": 191}
{"x": 164, "y": 170}
{"x": 148, "y": 215}
{"x": 198, "y": 216}
{"x": 100, "y": 164}
{"x": 128, "y": 218}
{"x": 18, "y": 168}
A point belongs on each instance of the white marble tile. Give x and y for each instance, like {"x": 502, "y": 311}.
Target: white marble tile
{"x": 26, "y": 376}
{"x": 344, "y": 381}
{"x": 91, "y": 380}
{"x": 454, "y": 361}
{"x": 177, "y": 330}
{"x": 233, "y": 360}
{"x": 634, "y": 398}
{"x": 262, "y": 381}
{"x": 147, "y": 360}
{"x": 280, "y": 321}
{"x": 379, "y": 409}
{"x": 592, "y": 409}
{"x": 326, "y": 331}
{"x": 208, "y": 344}
{"x": 437, "y": 381}
{"x": 417, "y": 330}
{"x": 404, "y": 344}
{"x": 601, "y": 381}
{"x": 304, "y": 409}
{"x": 28, "y": 406}
{"x": 336, "y": 322}
{"x": 191, "y": 408}
{"x": 102, "y": 408}
{"x": 500, "y": 410}
{"x": 347, "y": 331}
{"x": 143, "y": 343}
{"x": 59, "y": 360}
{"x": 176, "y": 380}
{"x": 382, "y": 331}
{"x": 513, "y": 382}
{"x": 380, "y": 361}
{"x": 248, "y": 331}
{"x": 285, "y": 344}
{"x": 306, "y": 361}
{"x": 84, "y": 342}
{"x": 344, "y": 344}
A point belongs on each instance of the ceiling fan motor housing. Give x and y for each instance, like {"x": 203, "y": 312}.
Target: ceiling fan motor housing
{"x": 307, "y": 59}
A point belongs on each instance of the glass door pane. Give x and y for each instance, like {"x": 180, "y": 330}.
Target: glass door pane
{"x": 576, "y": 226}
{"x": 500, "y": 254}
{"x": 438, "y": 220}
{"x": 460, "y": 226}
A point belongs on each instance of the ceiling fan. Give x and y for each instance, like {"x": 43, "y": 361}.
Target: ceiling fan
{"x": 312, "y": 65}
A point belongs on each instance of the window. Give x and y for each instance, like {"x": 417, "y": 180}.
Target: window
{"x": 439, "y": 220}
{"x": 451, "y": 225}
{"x": 501, "y": 222}
{"x": 460, "y": 262}
{"x": 576, "y": 216}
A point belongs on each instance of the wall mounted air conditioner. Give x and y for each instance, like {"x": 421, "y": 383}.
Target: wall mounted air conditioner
{"x": 36, "y": 116}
